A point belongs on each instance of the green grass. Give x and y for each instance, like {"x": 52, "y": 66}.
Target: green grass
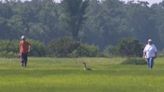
{"x": 67, "y": 75}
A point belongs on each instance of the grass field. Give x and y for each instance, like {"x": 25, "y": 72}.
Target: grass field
{"x": 67, "y": 75}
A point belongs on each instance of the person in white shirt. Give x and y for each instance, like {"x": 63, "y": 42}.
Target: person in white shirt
{"x": 150, "y": 53}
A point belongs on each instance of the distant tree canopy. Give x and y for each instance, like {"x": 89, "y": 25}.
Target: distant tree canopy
{"x": 74, "y": 11}
{"x": 100, "y": 23}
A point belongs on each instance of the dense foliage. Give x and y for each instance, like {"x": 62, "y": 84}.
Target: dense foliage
{"x": 64, "y": 47}
{"x": 9, "y": 48}
{"x": 67, "y": 47}
{"x": 100, "y": 23}
{"x": 130, "y": 47}
{"x": 126, "y": 47}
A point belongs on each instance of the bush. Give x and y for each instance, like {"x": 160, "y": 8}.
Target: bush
{"x": 126, "y": 47}
{"x": 85, "y": 50}
{"x": 130, "y": 47}
{"x": 62, "y": 47}
{"x": 8, "y": 54}
{"x": 10, "y": 48}
{"x": 161, "y": 53}
{"x": 38, "y": 49}
{"x": 110, "y": 51}
{"x": 134, "y": 61}
{"x": 67, "y": 47}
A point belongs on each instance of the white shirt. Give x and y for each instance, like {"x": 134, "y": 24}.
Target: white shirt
{"x": 150, "y": 50}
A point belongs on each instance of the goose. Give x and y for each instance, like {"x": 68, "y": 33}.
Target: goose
{"x": 85, "y": 66}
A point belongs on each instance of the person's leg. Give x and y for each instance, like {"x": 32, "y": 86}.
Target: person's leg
{"x": 26, "y": 59}
{"x": 148, "y": 62}
{"x": 151, "y": 62}
{"x": 22, "y": 60}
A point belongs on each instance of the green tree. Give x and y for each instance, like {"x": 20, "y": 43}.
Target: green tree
{"x": 106, "y": 22}
{"x": 74, "y": 11}
{"x": 141, "y": 23}
{"x": 158, "y": 16}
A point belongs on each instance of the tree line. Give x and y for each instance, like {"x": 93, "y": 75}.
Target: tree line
{"x": 98, "y": 23}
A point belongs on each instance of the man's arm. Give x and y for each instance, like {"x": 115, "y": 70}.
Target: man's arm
{"x": 29, "y": 47}
{"x": 155, "y": 55}
{"x": 144, "y": 52}
{"x": 19, "y": 52}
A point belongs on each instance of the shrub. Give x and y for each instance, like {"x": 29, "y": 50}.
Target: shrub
{"x": 130, "y": 47}
{"x": 10, "y": 48}
{"x": 85, "y": 50}
{"x": 62, "y": 47}
{"x": 67, "y": 47}
{"x": 134, "y": 61}
{"x": 38, "y": 49}
{"x": 126, "y": 47}
{"x": 110, "y": 51}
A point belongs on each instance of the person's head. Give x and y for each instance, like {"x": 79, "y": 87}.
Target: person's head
{"x": 150, "y": 41}
{"x": 23, "y": 37}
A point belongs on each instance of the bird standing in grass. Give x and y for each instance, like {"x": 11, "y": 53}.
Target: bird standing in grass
{"x": 85, "y": 66}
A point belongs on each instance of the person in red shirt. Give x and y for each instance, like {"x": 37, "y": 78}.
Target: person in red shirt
{"x": 24, "y": 49}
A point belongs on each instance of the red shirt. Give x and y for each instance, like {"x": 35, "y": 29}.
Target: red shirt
{"x": 24, "y": 46}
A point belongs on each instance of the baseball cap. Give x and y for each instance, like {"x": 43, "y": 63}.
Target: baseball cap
{"x": 149, "y": 40}
{"x": 22, "y": 37}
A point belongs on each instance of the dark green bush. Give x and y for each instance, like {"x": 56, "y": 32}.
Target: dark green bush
{"x": 38, "y": 49}
{"x": 10, "y": 48}
{"x": 130, "y": 47}
{"x": 134, "y": 61}
{"x": 110, "y": 51}
{"x": 85, "y": 50}
{"x": 67, "y": 47}
{"x": 63, "y": 47}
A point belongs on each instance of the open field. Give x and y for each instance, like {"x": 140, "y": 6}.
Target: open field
{"x": 67, "y": 75}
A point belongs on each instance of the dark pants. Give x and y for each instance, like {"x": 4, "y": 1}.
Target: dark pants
{"x": 150, "y": 62}
{"x": 24, "y": 59}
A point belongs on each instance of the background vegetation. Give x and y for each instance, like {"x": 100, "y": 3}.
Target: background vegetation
{"x": 101, "y": 24}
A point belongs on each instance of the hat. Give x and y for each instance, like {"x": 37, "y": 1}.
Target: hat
{"x": 149, "y": 40}
{"x": 22, "y": 37}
